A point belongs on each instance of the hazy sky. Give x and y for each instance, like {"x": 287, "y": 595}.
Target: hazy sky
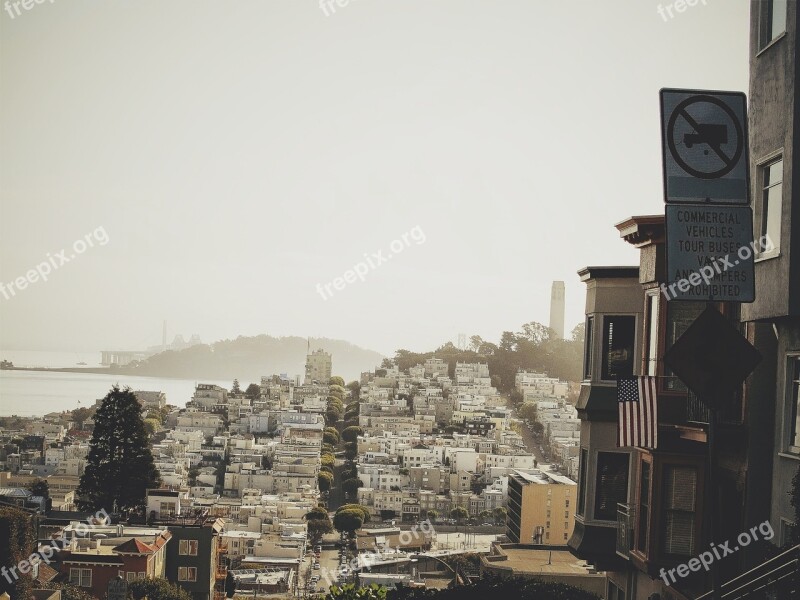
{"x": 239, "y": 153}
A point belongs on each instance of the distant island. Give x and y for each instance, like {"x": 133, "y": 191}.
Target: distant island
{"x": 245, "y": 358}
{"x": 248, "y": 358}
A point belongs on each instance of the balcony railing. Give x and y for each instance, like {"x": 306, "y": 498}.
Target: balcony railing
{"x": 626, "y": 517}
{"x": 776, "y": 579}
{"x": 697, "y": 410}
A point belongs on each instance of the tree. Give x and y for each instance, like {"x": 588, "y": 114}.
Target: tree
{"x": 319, "y": 528}
{"x": 432, "y": 515}
{"x": 363, "y": 510}
{"x": 337, "y": 391}
{"x": 336, "y": 380}
{"x": 351, "y": 433}
{"x": 355, "y": 389}
{"x": 40, "y": 487}
{"x": 354, "y": 592}
{"x": 333, "y": 434}
{"x": 192, "y": 476}
{"x": 459, "y": 513}
{"x": 324, "y": 480}
{"x": 528, "y": 412}
{"x": 538, "y": 428}
{"x": 348, "y": 521}
{"x": 318, "y": 522}
{"x": 350, "y": 486}
{"x": 235, "y": 389}
{"x": 328, "y": 460}
{"x": 120, "y": 466}
{"x": 151, "y": 426}
{"x": 351, "y": 450}
{"x": 157, "y": 589}
{"x": 499, "y": 515}
{"x": 81, "y": 415}
{"x": 332, "y": 416}
{"x": 18, "y": 541}
{"x": 253, "y": 391}
{"x": 316, "y": 514}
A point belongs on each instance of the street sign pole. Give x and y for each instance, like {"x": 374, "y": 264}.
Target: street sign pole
{"x": 714, "y": 504}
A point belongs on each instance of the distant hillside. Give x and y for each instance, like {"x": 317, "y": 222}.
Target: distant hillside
{"x": 248, "y": 358}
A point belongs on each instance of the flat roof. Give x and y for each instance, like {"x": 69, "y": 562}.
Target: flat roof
{"x": 526, "y": 560}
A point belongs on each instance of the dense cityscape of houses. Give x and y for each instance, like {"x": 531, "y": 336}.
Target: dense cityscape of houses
{"x": 241, "y": 470}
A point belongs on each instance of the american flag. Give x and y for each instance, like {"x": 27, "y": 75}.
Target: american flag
{"x": 638, "y": 412}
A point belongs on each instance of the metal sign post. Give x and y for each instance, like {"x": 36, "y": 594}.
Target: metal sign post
{"x": 710, "y": 255}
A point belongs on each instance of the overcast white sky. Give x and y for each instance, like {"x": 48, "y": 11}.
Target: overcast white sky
{"x": 238, "y": 153}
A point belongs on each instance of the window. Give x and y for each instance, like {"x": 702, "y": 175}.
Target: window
{"x": 644, "y": 507}
{"x": 679, "y": 316}
{"x": 582, "y": 481}
{"x": 652, "y": 334}
{"x": 588, "y": 356}
{"x": 80, "y": 577}
{"x": 680, "y": 498}
{"x": 566, "y": 514}
{"x": 188, "y": 547}
{"x": 615, "y": 592}
{"x": 187, "y": 574}
{"x": 131, "y": 576}
{"x": 141, "y": 575}
{"x": 618, "y": 339}
{"x": 772, "y": 20}
{"x": 548, "y": 514}
{"x": 612, "y": 484}
{"x": 794, "y": 404}
{"x": 566, "y": 502}
{"x": 771, "y": 205}
{"x": 167, "y": 508}
{"x": 787, "y": 532}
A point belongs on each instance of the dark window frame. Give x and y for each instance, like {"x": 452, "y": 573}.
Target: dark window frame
{"x": 605, "y": 461}
{"x": 628, "y": 336}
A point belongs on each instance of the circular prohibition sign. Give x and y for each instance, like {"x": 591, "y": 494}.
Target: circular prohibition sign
{"x": 730, "y": 162}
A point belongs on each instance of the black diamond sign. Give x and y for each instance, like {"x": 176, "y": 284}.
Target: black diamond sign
{"x": 712, "y": 358}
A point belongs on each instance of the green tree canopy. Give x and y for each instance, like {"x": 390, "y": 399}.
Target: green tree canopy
{"x": 350, "y": 486}
{"x": 120, "y": 466}
{"x": 336, "y": 380}
{"x": 459, "y": 513}
{"x": 253, "y": 391}
{"x": 40, "y": 487}
{"x": 325, "y": 481}
{"x": 348, "y": 521}
{"x": 351, "y": 433}
{"x": 157, "y": 589}
{"x": 333, "y": 433}
{"x": 354, "y": 592}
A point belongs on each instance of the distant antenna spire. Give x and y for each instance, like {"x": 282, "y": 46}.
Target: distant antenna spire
{"x": 308, "y": 347}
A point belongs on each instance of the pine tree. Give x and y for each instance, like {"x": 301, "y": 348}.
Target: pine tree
{"x": 120, "y": 466}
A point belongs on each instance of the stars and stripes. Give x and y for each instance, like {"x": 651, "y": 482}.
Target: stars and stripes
{"x": 638, "y": 412}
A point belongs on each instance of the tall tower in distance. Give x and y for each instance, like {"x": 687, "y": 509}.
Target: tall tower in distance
{"x": 318, "y": 367}
{"x": 557, "y": 309}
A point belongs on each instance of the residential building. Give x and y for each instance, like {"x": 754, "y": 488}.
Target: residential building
{"x": 541, "y": 507}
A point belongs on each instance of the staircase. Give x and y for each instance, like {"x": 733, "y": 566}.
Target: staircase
{"x": 776, "y": 579}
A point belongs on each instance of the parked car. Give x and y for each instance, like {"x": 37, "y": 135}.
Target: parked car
{"x": 316, "y": 565}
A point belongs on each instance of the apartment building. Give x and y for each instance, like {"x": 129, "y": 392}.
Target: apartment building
{"x": 541, "y": 507}
{"x": 318, "y": 367}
